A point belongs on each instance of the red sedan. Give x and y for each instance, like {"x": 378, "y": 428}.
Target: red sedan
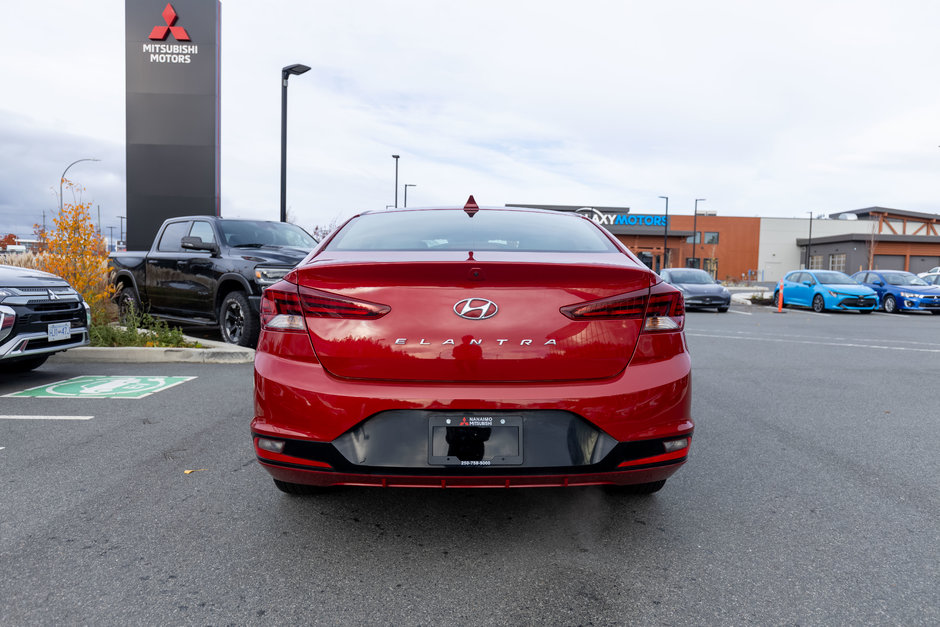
{"x": 471, "y": 347}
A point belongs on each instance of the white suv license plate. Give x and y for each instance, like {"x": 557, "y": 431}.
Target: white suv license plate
{"x": 59, "y": 331}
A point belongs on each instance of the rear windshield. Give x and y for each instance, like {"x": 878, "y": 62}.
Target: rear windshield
{"x": 446, "y": 229}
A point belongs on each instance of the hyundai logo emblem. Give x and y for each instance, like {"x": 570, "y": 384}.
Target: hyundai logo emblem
{"x": 475, "y": 308}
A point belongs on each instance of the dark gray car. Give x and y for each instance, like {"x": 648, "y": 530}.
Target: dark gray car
{"x": 698, "y": 287}
{"x": 40, "y": 314}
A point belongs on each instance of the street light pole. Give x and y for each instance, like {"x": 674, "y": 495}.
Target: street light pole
{"x": 665, "y": 234}
{"x": 62, "y": 178}
{"x": 407, "y": 185}
{"x": 286, "y": 73}
{"x": 695, "y": 233}
{"x": 395, "y": 157}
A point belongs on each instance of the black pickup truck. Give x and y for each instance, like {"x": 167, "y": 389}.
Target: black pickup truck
{"x": 204, "y": 270}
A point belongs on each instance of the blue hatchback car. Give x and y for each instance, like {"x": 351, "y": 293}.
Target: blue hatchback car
{"x": 826, "y": 289}
{"x": 901, "y": 291}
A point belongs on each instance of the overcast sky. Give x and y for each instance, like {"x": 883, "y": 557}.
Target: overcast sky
{"x": 763, "y": 108}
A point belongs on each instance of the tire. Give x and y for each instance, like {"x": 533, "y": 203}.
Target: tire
{"x": 890, "y": 305}
{"x": 127, "y": 300}
{"x": 23, "y": 365}
{"x": 864, "y": 311}
{"x": 238, "y": 324}
{"x": 722, "y": 309}
{"x": 819, "y": 303}
{"x": 935, "y": 312}
{"x": 298, "y": 489}
{"x": 636, "y": 489}
{"x": 776, "y": 298}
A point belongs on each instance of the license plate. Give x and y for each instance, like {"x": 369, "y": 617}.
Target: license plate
{"x": 475, "y": 440}
{"x": 59, "y": 331}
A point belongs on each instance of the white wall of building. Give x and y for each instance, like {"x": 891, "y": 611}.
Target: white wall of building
{"x": 777, "y": 251}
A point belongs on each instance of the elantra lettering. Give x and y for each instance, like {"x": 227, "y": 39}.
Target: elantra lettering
{"x": 402, "y": 341}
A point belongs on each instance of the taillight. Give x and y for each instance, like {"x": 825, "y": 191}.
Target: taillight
{"x": 326, "y": 305}
{"x": 662, "y": 308}
{"x": 280, "y": 308}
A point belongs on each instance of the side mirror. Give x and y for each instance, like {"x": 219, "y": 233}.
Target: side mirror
{"x": 196, "y": 243}
{"x": 880, "y": 283}
{"x": 808, "y": 283}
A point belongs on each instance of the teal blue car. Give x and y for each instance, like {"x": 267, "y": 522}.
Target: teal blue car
{"x": 823, "y": 290}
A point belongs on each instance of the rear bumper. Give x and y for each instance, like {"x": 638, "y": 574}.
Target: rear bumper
{"x": 325, "y": 424}
{"x": 328, "y": 478}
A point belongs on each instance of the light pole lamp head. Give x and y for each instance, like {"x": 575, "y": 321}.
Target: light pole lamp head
{"x": 395, "y": 156}
{"x": 297, "y": 68}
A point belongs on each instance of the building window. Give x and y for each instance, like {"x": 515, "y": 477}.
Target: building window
{"x": 711, "y": 237}
{"x": 691, "y": 262}
{"x": 837, "y": 262}
{"x": 698, "y": 238}
{"x": 815, "y": 262}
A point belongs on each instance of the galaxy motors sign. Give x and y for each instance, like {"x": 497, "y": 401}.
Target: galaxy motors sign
{"x": 172, "y": 102}
{"x": 622, "y": 219}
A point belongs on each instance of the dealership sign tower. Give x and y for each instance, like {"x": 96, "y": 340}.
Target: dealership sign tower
{"x": 172, "y": 99}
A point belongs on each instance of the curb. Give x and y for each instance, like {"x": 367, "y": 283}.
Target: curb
{"x": 214, "y": 353}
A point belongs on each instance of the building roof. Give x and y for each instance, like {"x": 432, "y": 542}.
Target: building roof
{"x": 868, "y": 212}
{"x": 863, "y": 237}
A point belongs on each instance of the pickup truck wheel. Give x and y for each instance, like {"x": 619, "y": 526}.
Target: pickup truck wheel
{"x": 128, "y": 301}
{"x": 237, "y": 322}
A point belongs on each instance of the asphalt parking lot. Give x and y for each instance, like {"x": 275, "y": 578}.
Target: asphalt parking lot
{"x": 810, "y": 498}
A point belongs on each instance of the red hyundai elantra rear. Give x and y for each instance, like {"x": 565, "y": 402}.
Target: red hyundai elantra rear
{"x": 471, "y": 348}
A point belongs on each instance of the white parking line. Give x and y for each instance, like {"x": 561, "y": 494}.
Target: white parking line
{"x": 743, "y": 313}
{"x": 816, "y": 343}
{"x": 24, "y": 417}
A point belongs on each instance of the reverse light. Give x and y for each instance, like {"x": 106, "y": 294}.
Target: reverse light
{"x": 273, "y": 446}
{"x": 672, "y": 446}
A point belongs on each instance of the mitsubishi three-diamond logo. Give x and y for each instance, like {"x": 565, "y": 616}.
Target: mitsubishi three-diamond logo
{"x": 159, "y": 33}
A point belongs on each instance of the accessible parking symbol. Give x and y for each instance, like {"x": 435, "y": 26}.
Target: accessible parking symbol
{"x": 102, "y": 387}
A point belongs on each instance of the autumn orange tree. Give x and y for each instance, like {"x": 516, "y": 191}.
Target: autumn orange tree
{"x": 78, "y": 254}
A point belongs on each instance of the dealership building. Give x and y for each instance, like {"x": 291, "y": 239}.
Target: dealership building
{"x": 764, "y": 249}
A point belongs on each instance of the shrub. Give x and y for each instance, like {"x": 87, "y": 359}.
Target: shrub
{"x": 78, "y": 254}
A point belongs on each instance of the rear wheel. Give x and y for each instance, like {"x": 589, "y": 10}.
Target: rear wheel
{"x": 819, "y": 303}
{"x": 298, "y": 489}
{"x": 890, "y": 305}
{"x": 237, "y": 322}
{"x": 639, "y": 488}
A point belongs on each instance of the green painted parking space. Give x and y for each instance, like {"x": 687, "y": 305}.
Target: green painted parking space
{"x": 132, "y": 387}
